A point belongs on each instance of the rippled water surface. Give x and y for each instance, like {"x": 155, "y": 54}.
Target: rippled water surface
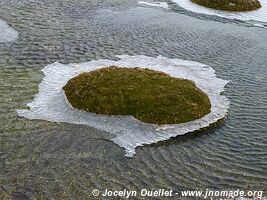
{"x": 61, "y": 160}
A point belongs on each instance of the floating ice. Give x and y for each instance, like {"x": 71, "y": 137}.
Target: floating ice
{"x": 7, "y": 34}
{"x": 155, "y": 4}
{"x": 51, "y": 104}
{"x": 256, "y": 15}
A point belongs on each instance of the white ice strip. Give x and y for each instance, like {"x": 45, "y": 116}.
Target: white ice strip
{"x": 256, "y": 15}
{"x": 51, "y": 104}
{"x": 7, "y": 34}
{"x": 154, "y": 4}
{"x": 260, "y": 25}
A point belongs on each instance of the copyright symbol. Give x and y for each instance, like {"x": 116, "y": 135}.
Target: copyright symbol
{"x": 95, "y": 192}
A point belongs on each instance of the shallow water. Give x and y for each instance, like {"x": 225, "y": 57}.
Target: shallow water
{"x": 54, "y": 160}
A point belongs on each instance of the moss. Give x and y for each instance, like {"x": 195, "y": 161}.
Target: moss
{"x": 150, "y": 96}
{"x": 230, "y": 5}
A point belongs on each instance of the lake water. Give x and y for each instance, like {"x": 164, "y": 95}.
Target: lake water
{"x": 62, "y": 160}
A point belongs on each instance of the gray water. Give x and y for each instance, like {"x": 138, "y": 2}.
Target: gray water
{"x": 65, "y": 161}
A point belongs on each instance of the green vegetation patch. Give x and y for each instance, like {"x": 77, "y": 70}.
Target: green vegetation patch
{"x": 150, "y": 96}
{"x": 230, "y": 5}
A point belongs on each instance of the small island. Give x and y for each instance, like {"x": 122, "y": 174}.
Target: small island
{"x": 150, "y": 96}
{"x": 230, "y": 5}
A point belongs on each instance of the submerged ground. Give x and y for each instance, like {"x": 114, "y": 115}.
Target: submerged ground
{"x": 57, "y": 160}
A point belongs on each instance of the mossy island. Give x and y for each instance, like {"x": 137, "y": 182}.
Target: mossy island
{"x": 150, "y": 96}
{"x": 230, "y": 5}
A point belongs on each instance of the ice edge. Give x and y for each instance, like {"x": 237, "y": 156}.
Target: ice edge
{"x": 7, "y": 33}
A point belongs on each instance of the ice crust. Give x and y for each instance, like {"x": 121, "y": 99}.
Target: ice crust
{"x": 7, "y": 33}
{"x": 50, "y": 103}
{"x": 155, "y": 4}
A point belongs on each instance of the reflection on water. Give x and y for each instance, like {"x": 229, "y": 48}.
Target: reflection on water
{"x": 61, "y": 160}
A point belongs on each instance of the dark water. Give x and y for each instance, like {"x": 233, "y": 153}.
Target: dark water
{"x": 65, "y": 161}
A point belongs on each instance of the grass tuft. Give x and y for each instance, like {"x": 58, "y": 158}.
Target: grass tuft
{"x": 230, "y": 5}
{"x": 148, "y": 95}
